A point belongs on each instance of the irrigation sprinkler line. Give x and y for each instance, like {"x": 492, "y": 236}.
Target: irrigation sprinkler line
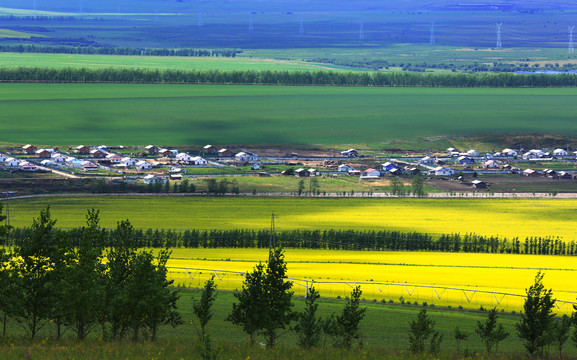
{"x": 384, "y": 284}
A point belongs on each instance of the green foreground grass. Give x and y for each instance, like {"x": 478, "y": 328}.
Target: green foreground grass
{"x": 506, "y": 217}
{"x": 195, "y": 114}
{"x": 385, "y": 334}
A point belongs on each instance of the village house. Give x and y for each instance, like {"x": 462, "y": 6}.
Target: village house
{"x": 12, "y": 162}
{"x": 88, "y": 166}
{"x": 442, "y": 171}
{"x": 533, "y": 154}
{"x": 82, "y": 150}
{"x": 370, "y": 173}
{"x": 128, "y": 161}
{"x": 427, "y": 160}
{"x": 564, "y": 175}
{"x": 224, "y": 152}
{"x": 465, "y": 160}
{"x": 350, "y": 153}
{"x": 478, "y": 184}
{"x": 97, "y": 154}
{"x": 143, "y": 165}
{"x": 550, "y": 173}
{"x": 508, "y": 152}
{"x": 490, "y": 164}
{"x": 530, "y": 173}
{"x": 43, "y": 153}
{"x": 26, "y": 166}
{"x": 241, "y": 157}
{"x": 183, "y": 157}
{"x": 48, "y": 163}
{"x": 345, "y": 168}
{"x": 210, "y": 149}
{"x": 412, "y": 171}
{"x": 151, "y": 149}
{"x": 114, "y": 158}
{"x": 473, "y": 153}
{"x": 58, "y": 158}
{"x": 3, "y": 158}
{"x": 388, "y": 166}
{"x": 197, "y": 160}
{"x": 559, "y": 152}
{"x": 255, "y": 167}
{"x": 155, "y": 179}
{"x": 29, "y": 149}
{"x": 167, "y": 153}
{"x": 396, "y": 172}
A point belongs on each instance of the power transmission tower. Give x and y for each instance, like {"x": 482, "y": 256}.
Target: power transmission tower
{"x": 432, "y": 37}
{"x": 35, "y": 13}
{"x": 250, "y": 25}
{"x": 499, "y": 44}
{"x": 302, "y": 27}
{"x": 362, "y": 30}
{"x": 571, "y": 50}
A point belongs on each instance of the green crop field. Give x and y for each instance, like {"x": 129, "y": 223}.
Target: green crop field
{"x": 153, "y": 62}
{"x": 195, "y": 114}
{"x": 506, "y": 217}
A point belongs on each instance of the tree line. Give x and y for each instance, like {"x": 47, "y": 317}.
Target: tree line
{"x": 108, "y": 50}
{"x": 294, "y": 78}
{"x": 46, "y": 278}
{"x": 362, "y": 240}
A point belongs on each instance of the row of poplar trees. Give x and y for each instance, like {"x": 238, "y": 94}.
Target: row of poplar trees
{"x": 85, "y": 287}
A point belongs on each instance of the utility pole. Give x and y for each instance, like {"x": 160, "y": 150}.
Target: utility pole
{"x": 272, "y": 240}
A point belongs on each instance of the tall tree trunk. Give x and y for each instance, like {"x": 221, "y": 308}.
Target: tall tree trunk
{"x": 4, "y": 321}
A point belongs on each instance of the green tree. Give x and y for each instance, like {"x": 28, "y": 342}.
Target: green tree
{"x": 420, "y": 330}
{"x": 490, "y": 332}
{"x": 418, "y": 185}
{"x": 7, "y": 278}
{"x": 314, "y": 185}
{"x": 301, "y": 187}
{"x": 397, "y": 186}
{"x": 83, "y": 285}
{"x": 460, "y": 336}
{"x": 202, "y": 308}
{"x": 536, "y": 322}
{"x": 561, "y": 331}
{"x": 184, "y": 186}
{"x": 346, "y": 325}
{"x": 34, "y": 288}
{"x": 310, "y": 327}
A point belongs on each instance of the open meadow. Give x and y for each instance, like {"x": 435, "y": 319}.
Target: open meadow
{"x": 195, "y": 114}
{"x": 515, "y": 217}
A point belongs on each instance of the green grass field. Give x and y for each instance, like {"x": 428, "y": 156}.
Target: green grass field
{"x": 506, "y": 217}
{"x": 189, "y": 114}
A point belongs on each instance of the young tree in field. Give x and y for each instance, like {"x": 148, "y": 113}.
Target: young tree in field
{"x": 561, "y": 331}
{"x": 119, "y": 256}
{"x": 536, "y": 322}
{"x": 35, "y": 297}
{"x": 6, "y": 275}
{"x": 301, "y": 187}
{"x": 421, "y": 329}
{"x": 417, "y": 185}
{"x": 202, "y": 308}
{"x": 460, "y": 336}
{"x": 247, "y": 312}
{"x": 83, "y": 285}
{"x": 397, "y": 186}
{"x": 310, "y": 327}
{"x": 346, "y": 325}
{"x": 490, "y": 332}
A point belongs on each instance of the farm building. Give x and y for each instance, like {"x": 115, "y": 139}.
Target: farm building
{"x": 183, "y": 157}
{"x": 508, "y": 152}
{"x": 564, "y": 175}
{"x": 530, "y": 173}
{"x": 29, "y": 149}
{"x": 242, "y": 157}
{"x": 89, "y": 166}
{"x": 533, "y": 154}
{"x": 478, "y": 184}
{"x": 43, "y": 153}
{"x": 350, "y": 153}
{"x": 313, "y": 172}
{"x": 210, "y": 149}
{"x": 426, "y": 160}
{"x": 412, "y": 171}
{"x": 82, "y": 150}
{"x": 560, "y": 152}
{"x": 58, "y": 158}
{"x": 370, "y": 173}
{"x": 97, "y": 153}
{"x": 48, "y": 163}
{"x": 224, "y": 152}
{"x": 345, "y": 168}
{"x": 197, "y": 160}
{"x": 396, "y": 172}
{"x": 114, "y": 158}
{"x": 490, "y": 164}
{"x": 301, "y": 173}
{"x": 151, "y": 149}
{"x": 550, "y": 173}
{"x": 388, "y": 166}
{"x": 143, "y": 165}
{"x": 442, "y": 171}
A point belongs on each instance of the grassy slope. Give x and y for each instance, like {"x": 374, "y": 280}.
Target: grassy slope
{"x": 508, "y": 217}
{"x": 183, "y": 114}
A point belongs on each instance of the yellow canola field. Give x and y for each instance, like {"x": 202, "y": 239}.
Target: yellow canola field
{"x": 468, "y": 280}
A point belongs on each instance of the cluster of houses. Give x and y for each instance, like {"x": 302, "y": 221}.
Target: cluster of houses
{"x": 511, "y": 153}
{"x": 549, "y": 173}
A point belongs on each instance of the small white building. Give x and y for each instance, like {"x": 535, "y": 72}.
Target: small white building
{"x": 442, "y": 171}
{"x": 350, "y": 153}
{"x": 3, "y": 158}
{"x": 560, "y": 152}
{"x": 113, "y": 158}
{"x": 197, "y": 160}
{"x": 345, "y": 168}
{"x": 89, "y": 166}
{"x": 48, "y": 163}
{"x": 128, "y": 161}
{"x": 183, "y": 157}
{"x": 154, "y": 179}
{"x": 370, "y": 173}
{"x": 508, "y": 152}
{"x": 143, "y": 165}
{"x": 426, "y": 160}
{"x": 473, "y": 153}
{"x": 26, "y": 166}
{"x": 490, "y": 164}
{"x": 242, "y": 157}
{"x": 58, "y": 158}
{"x": 12, "y": 162}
